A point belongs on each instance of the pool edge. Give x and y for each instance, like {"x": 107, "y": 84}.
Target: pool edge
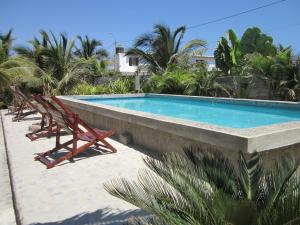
{"x": 247, "y": 140}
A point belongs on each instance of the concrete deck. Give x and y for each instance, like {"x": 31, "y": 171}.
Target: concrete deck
{"x": 7, "y": 213}
{"x": 71, "y": 193}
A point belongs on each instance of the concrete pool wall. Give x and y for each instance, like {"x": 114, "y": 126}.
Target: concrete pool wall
{"x": 166, "y": 134}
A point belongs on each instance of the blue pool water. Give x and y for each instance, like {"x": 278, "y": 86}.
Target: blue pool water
{"x": 218, "y": 113}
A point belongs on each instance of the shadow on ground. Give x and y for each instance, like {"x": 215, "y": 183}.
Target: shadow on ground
{"x": 88, "y": 153}
{"x": 99, "y": 217}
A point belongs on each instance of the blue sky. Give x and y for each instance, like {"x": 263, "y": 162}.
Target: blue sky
{"x": 125, "y": 20}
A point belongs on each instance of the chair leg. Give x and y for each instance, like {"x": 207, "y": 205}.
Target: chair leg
{"x": 71, "y": 154}
{"x": 42, "y": 133}
{"x": 109, "y": 146}
{"x": 19, "y": 112}
{"x": 75, "y": 138}
{"x": 57, "y": 144}
{"x": 75, "y": 149}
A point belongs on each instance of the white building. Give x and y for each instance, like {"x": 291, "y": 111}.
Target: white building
{"x": 210, "y": 60}
{"x": 129, "y": 65}
{"x": 125, "y": 64}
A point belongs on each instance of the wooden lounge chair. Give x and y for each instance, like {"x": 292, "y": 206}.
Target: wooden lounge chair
{"x": 22, "y": 103}
{"x": 70, "y": 122}
{"x": 47, "y": 124}
{"x": 17, "y": 101}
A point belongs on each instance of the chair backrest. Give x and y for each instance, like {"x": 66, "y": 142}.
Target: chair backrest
{"x": 62, "y": 119}
{"x": 42, "y": 106}
{"x": 63, "y": 108}
{"x": 61, "y": 105}
{"x": 22, "y": 97}
{"x": 17, "y": 97}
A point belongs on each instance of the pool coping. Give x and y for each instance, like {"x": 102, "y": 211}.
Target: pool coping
{"x": 246, "y": 139}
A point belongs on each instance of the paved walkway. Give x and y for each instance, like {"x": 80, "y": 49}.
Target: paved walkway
{"x": 7, "y": 213}
{"x": 71, "y": 193}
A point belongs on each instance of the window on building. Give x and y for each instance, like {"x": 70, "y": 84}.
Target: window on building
{"x": 133, "y": 61}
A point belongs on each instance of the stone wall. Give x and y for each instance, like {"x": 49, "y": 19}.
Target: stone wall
{"x": 246, "y": 87}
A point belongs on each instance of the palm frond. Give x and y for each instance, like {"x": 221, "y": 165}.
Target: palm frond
{"x": 204, "y": 187}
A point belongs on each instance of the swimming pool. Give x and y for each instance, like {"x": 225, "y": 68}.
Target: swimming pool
{"x": 169, "y": 123}
{"x": 226, "y": 114}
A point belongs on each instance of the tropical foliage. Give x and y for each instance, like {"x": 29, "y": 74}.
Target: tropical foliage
{"x": 118, "y": 86}
{"x": 231, "y": 51}
{"x": 5, "y": 45}
{"x": 280, "y": 72}
{"x": 227, "y": 53}
{"x": 162, "y": 47}
{"x": 5, "y": 49}
{"x": 256, "y": 55}
{"x": 89, "y": 48}
{"x": 204, "y": 187}
{"x": 254, "y": 40}
{"x": 178, "y": 81}
{"x": 54, "y": 64}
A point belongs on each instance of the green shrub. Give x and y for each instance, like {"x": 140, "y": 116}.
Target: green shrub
{"x": 178, "y": 81}
{"x": 120, "y": 86}
{"x": 87, "y": 89}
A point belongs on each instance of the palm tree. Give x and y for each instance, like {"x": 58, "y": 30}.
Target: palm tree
{"x": 5, "y": 45}
{"x": 54, "y": 56}
{"x": 89, "y": 48}
{"x": 23, "y": 72}
{"x": 161, "y": 47}
{"x": 4, "y": 80}
{"x": 204, "y": 187}
{"x": 35, "y": 52}
{"x": 65, "y": 70}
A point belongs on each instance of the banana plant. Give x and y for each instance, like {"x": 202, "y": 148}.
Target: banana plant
{"x": 227, "y": 54}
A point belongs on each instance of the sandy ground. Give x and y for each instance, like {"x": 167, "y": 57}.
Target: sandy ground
{"x": 71, "y": 193}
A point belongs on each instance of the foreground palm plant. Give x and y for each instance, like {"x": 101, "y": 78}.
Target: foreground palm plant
{"x": 205, "y": 188}
{"x": 161, "y": 47}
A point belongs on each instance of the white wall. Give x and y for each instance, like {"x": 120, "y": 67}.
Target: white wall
{"x": 211, "y": 64}
{"x": 122, "y": 63}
